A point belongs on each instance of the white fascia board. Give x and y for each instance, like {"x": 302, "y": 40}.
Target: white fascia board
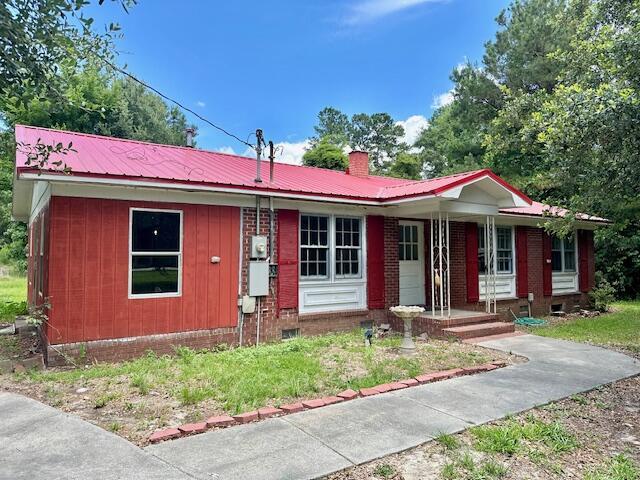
{"x": 21, "y": 198}
{"x": 192, "y": 188}
{"x": 455, "y": 206}
{"x": 512, "y": 200}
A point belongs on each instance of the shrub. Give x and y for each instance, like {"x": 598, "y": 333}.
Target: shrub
{"x": 603, "y": 296}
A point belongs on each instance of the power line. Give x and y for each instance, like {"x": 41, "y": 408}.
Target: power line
{"x": 146, "y": 85}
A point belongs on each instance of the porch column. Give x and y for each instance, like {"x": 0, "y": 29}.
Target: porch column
{"x": 490, "y": 264}
{"x": 439, "y": 248}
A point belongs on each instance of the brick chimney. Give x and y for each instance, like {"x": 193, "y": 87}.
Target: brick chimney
{"x": 358, "y": 164}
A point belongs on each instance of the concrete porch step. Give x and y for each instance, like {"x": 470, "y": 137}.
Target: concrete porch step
{"x": 480, "y": 329}
{"x": 456, "y": 321}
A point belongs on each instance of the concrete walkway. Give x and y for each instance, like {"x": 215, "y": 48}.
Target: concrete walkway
{"x": 40, "y": 442}
{"x": 317, "y": 442}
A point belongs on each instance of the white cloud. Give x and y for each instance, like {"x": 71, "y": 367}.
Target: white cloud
{"x": 227, "y": 149}
{"x": 369, "y": 10}
{"x": 413, "y": 126}
{"x": 291, "y": 152}
{"x": 201, "y": 104}
{"x": 286, "y": 152}
{"x": 443, "y": 99}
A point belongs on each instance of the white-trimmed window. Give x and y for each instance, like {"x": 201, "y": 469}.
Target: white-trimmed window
{"x": 563, "y": 254}
{"x": 330, "y": 247}
{"x": 155, "y": 253}
{"x": 348, "y": 247}
{"x": 504, "y": 250}
{"x": 314, "y": 246}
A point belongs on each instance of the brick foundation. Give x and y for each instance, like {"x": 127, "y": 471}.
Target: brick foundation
{"x": 125, "y": 348}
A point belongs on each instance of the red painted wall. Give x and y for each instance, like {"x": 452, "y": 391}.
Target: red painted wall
{"x": 88, "y": 272}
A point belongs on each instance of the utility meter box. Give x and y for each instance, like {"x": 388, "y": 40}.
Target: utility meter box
{"x": 258, "y": 246}
{"x": 258, "y": 279}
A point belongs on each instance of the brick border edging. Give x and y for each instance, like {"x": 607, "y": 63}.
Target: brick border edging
{"x": 224, "y": 421}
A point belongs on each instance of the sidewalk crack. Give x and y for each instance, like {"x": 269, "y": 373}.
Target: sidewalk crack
{"x": 319, "y": 440}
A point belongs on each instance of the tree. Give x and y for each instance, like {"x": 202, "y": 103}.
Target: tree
{"x": 379, "y": 135}
{"x": 406, "y": 165}
{"x": 51, "y": 76}
{"x": 325, "y": 155}
{"x": 520, "y": 57}
{"x": 589, "y": 130}
{"x": 38, "y": 37}
{"x": 333, "y": 126}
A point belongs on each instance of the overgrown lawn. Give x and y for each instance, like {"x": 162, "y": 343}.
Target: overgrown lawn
{"x": 621, "y": 328}
{"x": 13, "y": 297}
{"x": 155, "y": 391}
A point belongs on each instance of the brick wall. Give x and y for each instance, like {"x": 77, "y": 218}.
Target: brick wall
{"x": 391, "y": 266}
{"x": 458, "y": 264}
{"x": 131, "y": 347}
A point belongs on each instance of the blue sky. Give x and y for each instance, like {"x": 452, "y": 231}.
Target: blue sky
{"x": 274, "y": 65}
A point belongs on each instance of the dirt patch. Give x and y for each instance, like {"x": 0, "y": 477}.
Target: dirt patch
{"x": 170, "y": 392}
{"x": 605, "y": 422}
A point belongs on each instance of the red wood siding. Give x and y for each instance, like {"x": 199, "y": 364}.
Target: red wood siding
{"x": 375, "y": 261}
{"x": 547, "y": 273}
{"x": 522, "y": 265}
{"x": 287, "y": 242}
{"x": 585, "y": 252}
{"x": 89, "y": 268}
{"x": 471, "y": 248}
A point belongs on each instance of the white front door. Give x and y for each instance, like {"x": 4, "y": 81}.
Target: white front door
{"x": 411, "y": 259}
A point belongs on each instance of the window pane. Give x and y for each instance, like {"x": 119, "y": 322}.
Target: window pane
{"x": 569, "y": 261}
{"x": 155, "y": 231}
{"x": 401, "y": 234}
{"x": 556, "y": 261}
{"x": 556, "y": 244}
{"x": 154, "y": 274}
{"x": 569, "y": 244}
{"x": 400, "y": 251}
{"x": 322, "y": 269}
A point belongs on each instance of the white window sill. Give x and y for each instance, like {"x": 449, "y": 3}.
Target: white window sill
{"x": 142, "y": 296}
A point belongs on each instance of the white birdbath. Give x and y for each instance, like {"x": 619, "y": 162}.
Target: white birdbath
{"x": 407, "y": 314}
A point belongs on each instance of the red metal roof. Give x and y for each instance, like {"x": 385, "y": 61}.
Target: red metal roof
{"x": 114, "y": 158}
{"x": 538, "y": 209}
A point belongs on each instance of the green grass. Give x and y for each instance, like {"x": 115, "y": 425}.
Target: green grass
{"x": 510, "y": 436}
{"x": 13, "y": 297}
{"x": 384, "y": 470}
{"x": 621, "y": 328}
{"x": 242, "y": 379}
{"x": 448, "y": 441}
{"x": 619, "y": 467}
{"x": 465, "y": 468}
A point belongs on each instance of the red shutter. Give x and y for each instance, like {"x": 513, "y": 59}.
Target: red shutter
{"x": 522, "y": 270}
{"x": 547, "y": 285}
{"x": 471, "y": 248}
{"x": 585, "y": 249}
{"x": 375, "y": 261}
{"x": 287, "y": 259}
